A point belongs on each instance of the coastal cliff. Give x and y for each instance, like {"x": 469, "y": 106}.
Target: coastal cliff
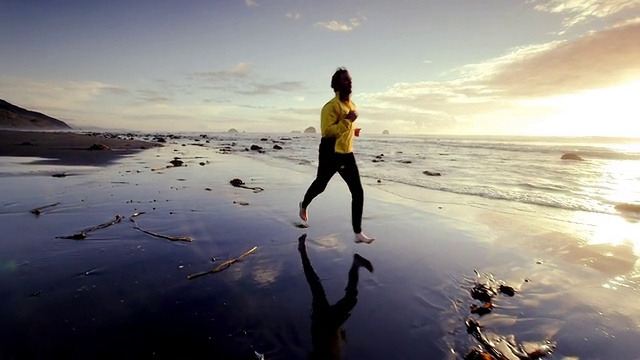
{"x": 16, "y": 118}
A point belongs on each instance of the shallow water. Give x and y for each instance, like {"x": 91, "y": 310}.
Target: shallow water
{"x": 123, "y": 293}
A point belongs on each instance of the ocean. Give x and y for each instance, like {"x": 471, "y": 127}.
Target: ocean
{"x": 518, "y": 172}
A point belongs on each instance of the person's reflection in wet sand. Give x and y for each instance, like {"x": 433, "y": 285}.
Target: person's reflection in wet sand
{"x": 326, "y": 320}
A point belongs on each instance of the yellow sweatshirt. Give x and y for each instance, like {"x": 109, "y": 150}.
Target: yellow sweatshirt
{"x": 334, "y": 123}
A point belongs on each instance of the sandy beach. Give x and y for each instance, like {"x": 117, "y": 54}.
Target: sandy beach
{"x": 68, "y": 148}
{"x": 121, "y": 290}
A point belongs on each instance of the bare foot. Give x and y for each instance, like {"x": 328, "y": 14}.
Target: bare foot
{"x": 362, "y": 238}
{"x": 303, "y": 213}
{"x": 362, "y": 262}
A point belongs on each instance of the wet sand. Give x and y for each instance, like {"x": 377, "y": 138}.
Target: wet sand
{"x": 124, "y": 293}
{"x": 68, "y": 148}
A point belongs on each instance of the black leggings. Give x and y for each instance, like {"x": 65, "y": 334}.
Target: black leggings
{"x": 330, "y": 162}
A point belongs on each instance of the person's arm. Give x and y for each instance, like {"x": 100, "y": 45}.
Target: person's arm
{"x": 331, "y": 123}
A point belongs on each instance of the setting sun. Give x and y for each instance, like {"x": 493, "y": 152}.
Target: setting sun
{"x": 600, "y": 112}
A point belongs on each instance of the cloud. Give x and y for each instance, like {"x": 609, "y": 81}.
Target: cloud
{"x": 259, "y": 107}
{"x": 56, "y": 96}
{"x": 500, "y": 87}
{"x": 251, "y": 3}
{"x": 293, "y": 15}
{"x": 242, "y": 80}
{"x": 264, "y": 88}
{"x": 335, "y": 25}
{"x": 580, "y": 11}
{"x": 151, "y": 96}
{"x": 239, "y": 71}
{"x": 114, "y": 90}
{"x": 595, "y": 60}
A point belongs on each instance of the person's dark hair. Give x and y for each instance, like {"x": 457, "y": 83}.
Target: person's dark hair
{"x": 335, "y": 79}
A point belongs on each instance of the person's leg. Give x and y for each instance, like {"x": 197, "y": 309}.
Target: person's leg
{"x": 319, "y": 298}
{"x": 343, "y": 307}
{"x": 326, "y": 169}
{"x": 349, "y": 172}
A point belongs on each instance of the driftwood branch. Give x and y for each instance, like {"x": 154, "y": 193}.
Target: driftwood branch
{"x": 224, "y": 265}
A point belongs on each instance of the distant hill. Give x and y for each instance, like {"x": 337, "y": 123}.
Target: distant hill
{"x": 17, "y": 118}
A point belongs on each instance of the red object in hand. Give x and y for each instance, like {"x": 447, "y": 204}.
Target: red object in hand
{"x": 357, "y": 132}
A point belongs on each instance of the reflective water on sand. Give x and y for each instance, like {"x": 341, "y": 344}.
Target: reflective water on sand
{"x": 124, "y": 293}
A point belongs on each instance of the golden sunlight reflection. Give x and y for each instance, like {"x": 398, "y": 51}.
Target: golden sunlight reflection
{"x": 612, "y": 246}
{"x": 609, "y": 229}
{"x": 620, "y": 180}
{"x": 611, "y": 242}
{"x": 619, "y": 184}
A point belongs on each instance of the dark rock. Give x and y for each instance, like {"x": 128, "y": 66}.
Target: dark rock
{"x": 431, "y": 173}
{"x": 236, "y": 182}
{"x": 571, "y": 156}
{"x": 256, "y": 147}
{"x": 507, "y": 290}
{"x": 176, "y": 161}
{"x": 277, "y": 147}
{"x": 98, "y": 147}
{"x": 264, "y": 139}
{"x": 483, "y": 293}
{"x": 628, "y": 207}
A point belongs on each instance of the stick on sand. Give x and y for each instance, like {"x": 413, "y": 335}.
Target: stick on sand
{"x": 172, "y": 238}
{"x": 38, "y": 210}
{"x": 82, "y": 234}
{"x": 224, "y": 265}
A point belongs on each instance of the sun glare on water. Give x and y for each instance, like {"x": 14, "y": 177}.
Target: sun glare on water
{"x": 611, "y": 242}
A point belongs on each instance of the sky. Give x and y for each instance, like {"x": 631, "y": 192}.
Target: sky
{"x": 481, "y": 67}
